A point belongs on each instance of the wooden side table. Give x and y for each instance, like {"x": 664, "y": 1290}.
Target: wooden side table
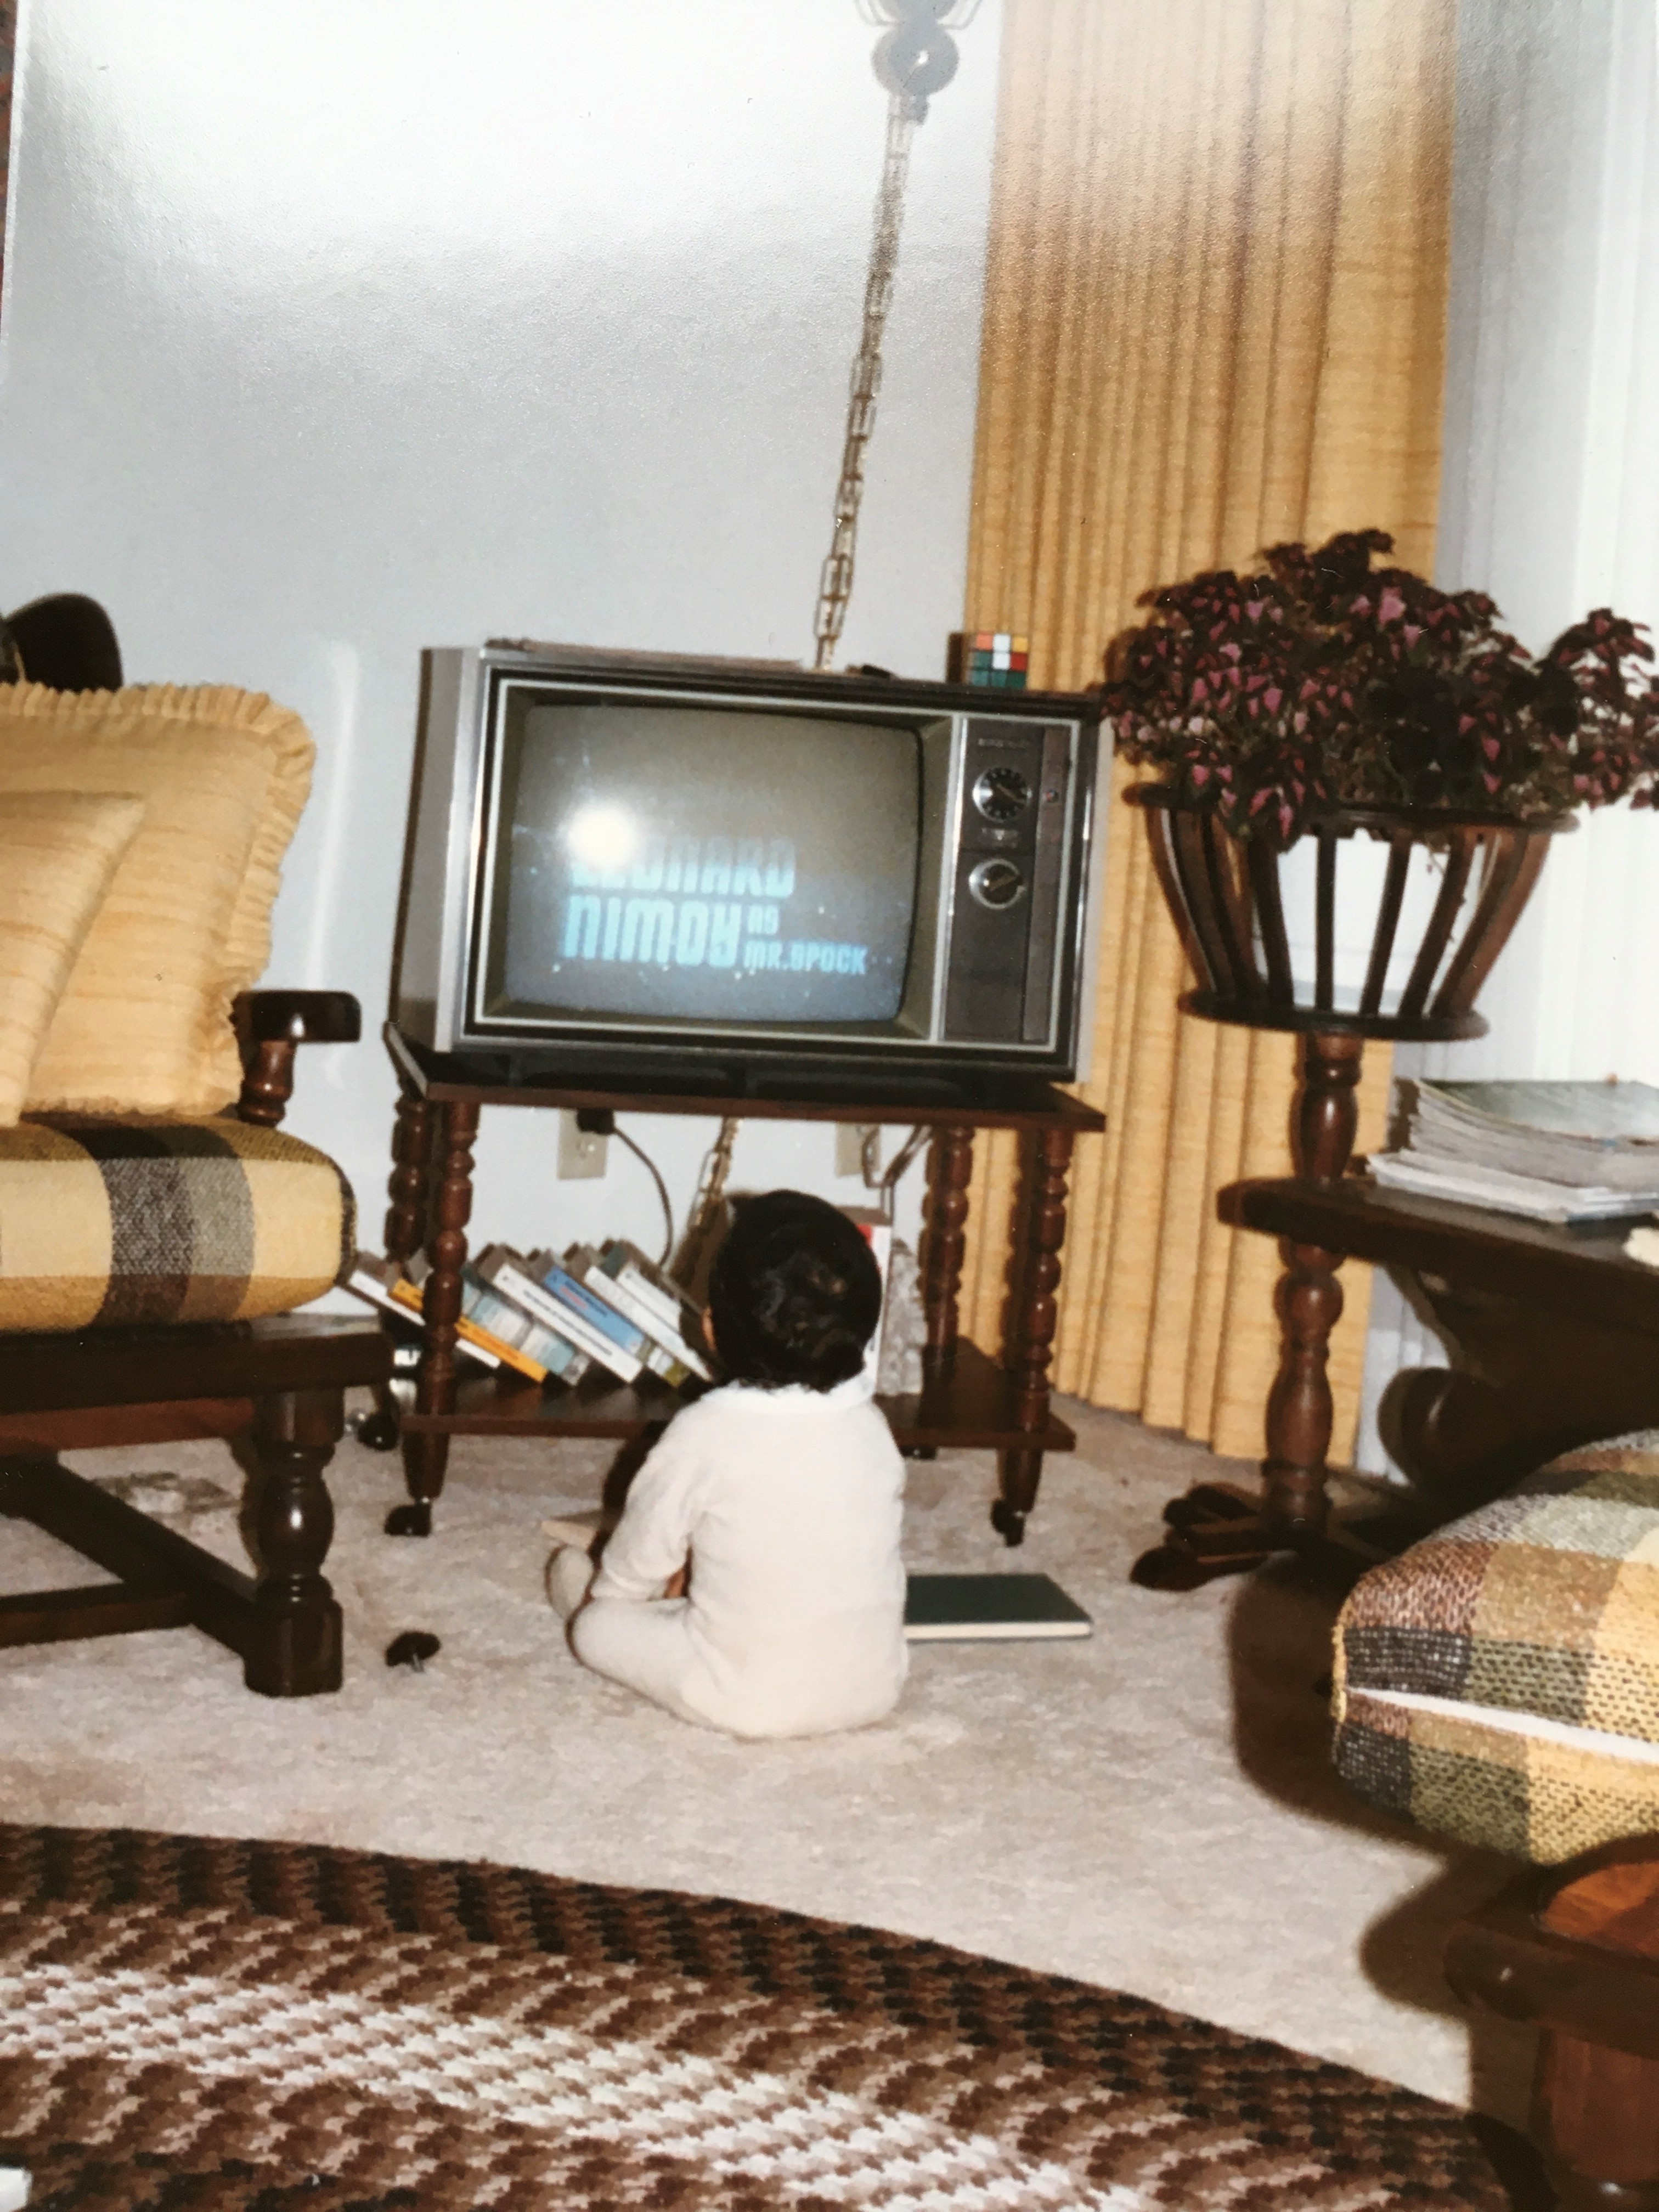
{"x": 1556, "y": 1339}
{"x": 968, "y": 1400}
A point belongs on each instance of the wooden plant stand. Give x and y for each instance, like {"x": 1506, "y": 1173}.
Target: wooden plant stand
{"x": 1227, "y": 900}
{"x": 967, "y": 1401}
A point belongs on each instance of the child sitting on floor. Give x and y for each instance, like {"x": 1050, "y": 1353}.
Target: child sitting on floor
{"x": 781, "y": 1493}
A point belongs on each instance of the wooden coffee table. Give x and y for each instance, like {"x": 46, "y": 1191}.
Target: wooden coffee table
{"x": 1554, "y": 1336}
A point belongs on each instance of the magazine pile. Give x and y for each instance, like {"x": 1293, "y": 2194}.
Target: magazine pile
{"x": 1561, "y": 1152}
{"x": 549, "y": 1317}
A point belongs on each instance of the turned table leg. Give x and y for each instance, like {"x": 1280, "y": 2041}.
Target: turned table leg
{"x": 1309, "y": 1299}
{"x": 426, "y": 1456}
{"x": 949, "y": 1171}
{"x": 293, "y": 1649}
{"x": 1040, "y": 1231}
{"x": 405, "y": 1232}
{"x": 1217, "y": 1529}
{"x": 411, "y": 1169}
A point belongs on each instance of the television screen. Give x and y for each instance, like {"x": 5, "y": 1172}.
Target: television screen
{"x": 653, "y": 861}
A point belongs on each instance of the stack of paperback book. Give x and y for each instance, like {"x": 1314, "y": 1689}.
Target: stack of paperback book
{"x": 550, "y": 1317}
{"x": 1554, "y": 1151}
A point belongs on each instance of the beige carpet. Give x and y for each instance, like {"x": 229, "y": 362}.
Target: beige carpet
{"x": 1151, "y": 1810}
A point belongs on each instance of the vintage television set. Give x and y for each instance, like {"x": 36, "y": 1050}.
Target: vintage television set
{"x": 733, "y": 875}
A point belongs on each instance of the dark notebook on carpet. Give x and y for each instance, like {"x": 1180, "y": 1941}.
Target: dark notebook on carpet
{"x": 974, "y": 1608}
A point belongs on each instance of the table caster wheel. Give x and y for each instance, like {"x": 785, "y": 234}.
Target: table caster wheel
{"x": 414, "y": 1519}
{"x": 1008, "y": 1525}
{"x": 378, "y": 1430}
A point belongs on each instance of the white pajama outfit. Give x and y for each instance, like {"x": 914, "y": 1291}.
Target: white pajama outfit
{"x": 788, "y": 1502}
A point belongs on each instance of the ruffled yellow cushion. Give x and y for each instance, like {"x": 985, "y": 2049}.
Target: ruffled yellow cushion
{"x": 58, "y": 852}
{"x": 143, "y": 1024}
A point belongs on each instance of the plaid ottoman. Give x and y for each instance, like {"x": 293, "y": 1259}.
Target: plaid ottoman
{"x": 110, "y": 1222}
{"x": 1499, "y": 1682}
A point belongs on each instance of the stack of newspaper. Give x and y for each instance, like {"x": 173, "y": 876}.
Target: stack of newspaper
{"x": 1553, "y": 1151}
{"x": 543, "y": 1317}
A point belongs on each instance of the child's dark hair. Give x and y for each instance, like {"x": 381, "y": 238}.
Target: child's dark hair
{"x": 795, "y": 1293}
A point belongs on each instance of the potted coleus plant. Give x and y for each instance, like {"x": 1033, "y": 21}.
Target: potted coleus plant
{"x": 1325, "y": 697}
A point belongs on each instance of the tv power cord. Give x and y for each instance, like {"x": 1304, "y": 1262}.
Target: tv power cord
{"x": 601, "y": 1122}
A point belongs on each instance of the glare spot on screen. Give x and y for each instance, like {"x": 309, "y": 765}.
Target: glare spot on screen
{"x": 602, "y": 838}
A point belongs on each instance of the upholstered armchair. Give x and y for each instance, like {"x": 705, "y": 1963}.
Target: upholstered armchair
{"x": 157, "y": 1228}
{"x": 1499, "y": 1683}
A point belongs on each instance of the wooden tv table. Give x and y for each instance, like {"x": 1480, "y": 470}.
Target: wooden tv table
{"x": 968, "y": 1400}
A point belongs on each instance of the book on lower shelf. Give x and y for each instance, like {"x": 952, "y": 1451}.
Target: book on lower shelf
{"x": 640, "y": 1289}
{"x": 516, "y": 1278}
{"x": 489, "y": 1329}
{"x": 1561, "y": 1152}
{"x": 990, "y": 1608}
{"x": 552, "y": 1351}
{"x": 632, "y": 1322}
{"x": 373, "y": 1280}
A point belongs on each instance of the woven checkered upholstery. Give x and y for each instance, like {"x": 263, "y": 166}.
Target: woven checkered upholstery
{"x": 1499, "y": 1682}
{"x": 104, "y": 1222}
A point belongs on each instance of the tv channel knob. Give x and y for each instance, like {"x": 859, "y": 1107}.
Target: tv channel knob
{"x": 1001, "y": 794}
{"x": 997, "y": 884}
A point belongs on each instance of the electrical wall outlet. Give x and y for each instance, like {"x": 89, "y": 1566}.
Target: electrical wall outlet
{"x": 582, "y": 1152}
{"x": 849, "y": 1146}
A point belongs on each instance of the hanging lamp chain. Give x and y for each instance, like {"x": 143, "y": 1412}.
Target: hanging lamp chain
{"x": 836, "y": 582}
{"x": 915, "y": 57}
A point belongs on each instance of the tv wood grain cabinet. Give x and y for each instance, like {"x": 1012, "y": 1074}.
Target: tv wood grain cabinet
{"x": 968, "y": 1400}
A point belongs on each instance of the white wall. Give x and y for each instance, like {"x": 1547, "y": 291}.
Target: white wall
{"x": 1550, "y": 500}
{"x": 342, "y": 328}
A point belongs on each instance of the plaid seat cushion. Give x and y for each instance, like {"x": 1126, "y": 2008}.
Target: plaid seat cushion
{"x": 107, "y": 1222}
{"x": 1500, "y": 1681}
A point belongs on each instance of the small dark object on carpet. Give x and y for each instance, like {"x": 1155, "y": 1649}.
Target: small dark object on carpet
{"x": 376, "y": 1431}
{"x": 189, "y": 2021}
{"x": 412, "y": 1649}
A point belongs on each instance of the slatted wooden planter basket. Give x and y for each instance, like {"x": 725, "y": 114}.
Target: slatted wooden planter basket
{"x": 1329, "y": 940}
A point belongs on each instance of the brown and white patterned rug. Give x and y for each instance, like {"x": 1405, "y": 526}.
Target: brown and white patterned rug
{"x": 197, "y": 2026}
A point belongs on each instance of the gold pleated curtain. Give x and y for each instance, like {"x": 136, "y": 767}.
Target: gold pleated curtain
{"x": 1215, "y": 320}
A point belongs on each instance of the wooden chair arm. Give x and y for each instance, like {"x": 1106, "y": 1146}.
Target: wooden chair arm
{"x": 269, "y": 1026}
{"x": 1573, "y": 1948}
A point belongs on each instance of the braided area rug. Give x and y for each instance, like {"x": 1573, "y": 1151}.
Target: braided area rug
{"x": 199, "y": 2025}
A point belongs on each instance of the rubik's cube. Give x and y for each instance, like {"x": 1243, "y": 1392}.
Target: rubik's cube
{"x": 994, "y": 657}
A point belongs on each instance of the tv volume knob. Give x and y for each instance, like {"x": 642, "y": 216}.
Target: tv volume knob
{"x": 997, "y": 884}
